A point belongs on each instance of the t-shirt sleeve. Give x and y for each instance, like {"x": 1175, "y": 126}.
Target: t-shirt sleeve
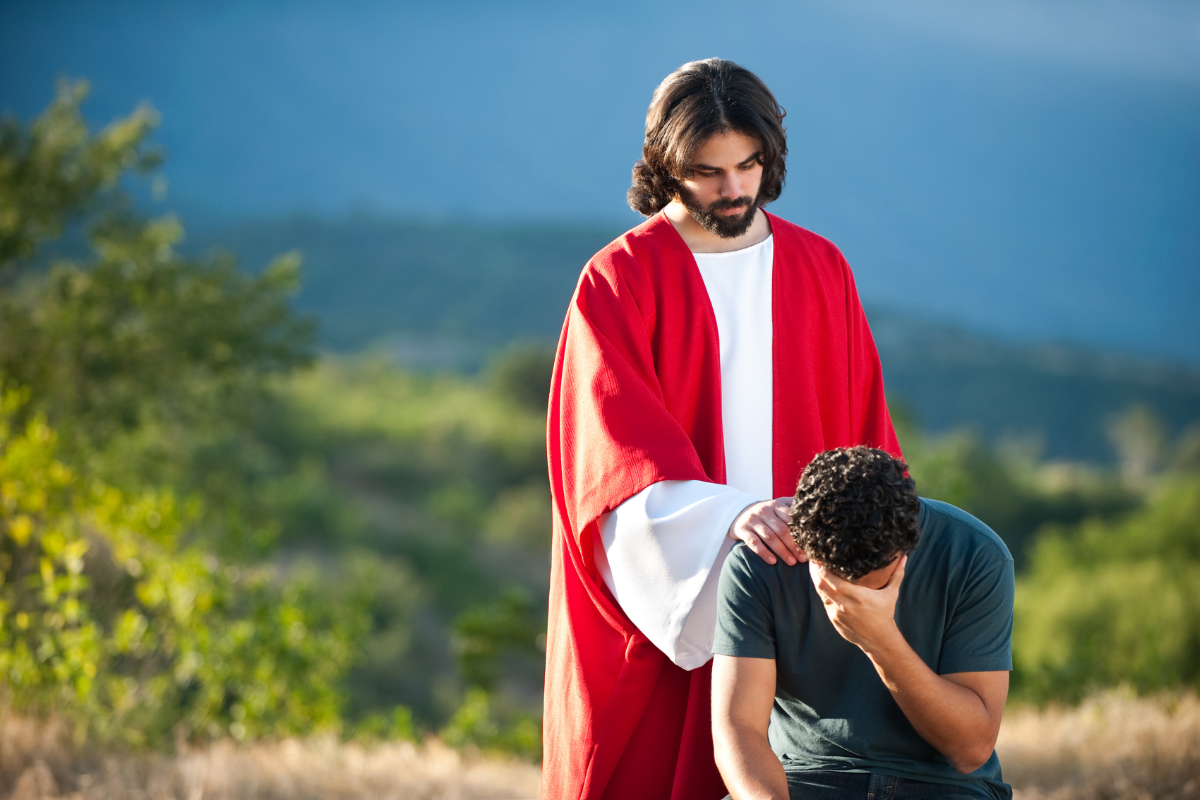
{"x": 745, "y": 623}
{"x": 979, "y": 637}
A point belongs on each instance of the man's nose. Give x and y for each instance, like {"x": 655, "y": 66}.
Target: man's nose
{"x": 731, "y": 187}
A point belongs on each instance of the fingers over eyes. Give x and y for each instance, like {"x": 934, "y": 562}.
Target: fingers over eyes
{"x": 823, "y": 579}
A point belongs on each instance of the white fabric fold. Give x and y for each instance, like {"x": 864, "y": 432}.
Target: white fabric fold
{"x": 660, "y": 555}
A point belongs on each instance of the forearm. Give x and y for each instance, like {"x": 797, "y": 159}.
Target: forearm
{"x": 748, "y": 766}
{"x": 743, "y": 693}
{"x": 952, "y": 718}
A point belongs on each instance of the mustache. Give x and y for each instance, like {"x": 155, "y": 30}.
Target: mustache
{"x": 725, "y": 203}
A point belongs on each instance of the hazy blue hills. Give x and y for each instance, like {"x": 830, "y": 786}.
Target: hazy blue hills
{"x": 1028, "y": 169}
{"x": 368, "y": 278}
{"x": 450, "y": 294}
{"x": 1065, "y": 396}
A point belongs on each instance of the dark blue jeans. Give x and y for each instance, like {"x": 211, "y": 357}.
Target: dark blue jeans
{"x": 873, "y": 786}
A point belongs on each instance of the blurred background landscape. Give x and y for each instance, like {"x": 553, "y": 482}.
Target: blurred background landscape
{"x": 280, "y": 285}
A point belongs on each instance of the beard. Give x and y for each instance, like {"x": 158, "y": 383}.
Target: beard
{"x": 729, "y": 227}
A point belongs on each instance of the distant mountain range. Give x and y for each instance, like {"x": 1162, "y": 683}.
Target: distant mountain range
{"x": 368, "y": 278}
{"x": 1026, "y": 169}
{"x": 450, "y": 295}
{"x": 1060, "y": 396}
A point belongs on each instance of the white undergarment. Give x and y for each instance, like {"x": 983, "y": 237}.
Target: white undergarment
{"x": 660, "y": 552}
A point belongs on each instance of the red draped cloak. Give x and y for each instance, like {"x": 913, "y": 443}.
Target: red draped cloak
{"x": 636, "y": 399}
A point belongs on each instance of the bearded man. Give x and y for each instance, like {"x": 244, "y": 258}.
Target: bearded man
{"x": 707, "y": 355}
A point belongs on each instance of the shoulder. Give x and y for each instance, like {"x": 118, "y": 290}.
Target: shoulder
{"x": 741, "y": 561}
{"x": 636, "y": 250}
{"x": 950, "y": 524}
{"x": 796, "y": 241}
{"x": 742, "y": 569}
{"x": 745, "y": 572}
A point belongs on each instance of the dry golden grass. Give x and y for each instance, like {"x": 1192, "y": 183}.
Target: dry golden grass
{"x": 1113, "y": 747}
{"x": 37, "y": 764}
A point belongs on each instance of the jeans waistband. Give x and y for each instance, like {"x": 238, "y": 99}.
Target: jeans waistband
{"x": 874, "y": 786}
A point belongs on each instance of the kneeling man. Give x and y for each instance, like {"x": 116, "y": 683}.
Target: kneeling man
{"x": 877, "y": 670}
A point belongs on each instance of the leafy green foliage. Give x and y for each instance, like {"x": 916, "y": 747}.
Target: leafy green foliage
{"x": 147, "y": 364}
{"x": 442, "y": 479}
{"x": 522, "y": 374}
{"x": 1107, "y": 563}
{"x": 1008, "y": 488}
{"x": 480, "y": 723}
{"x": 484, "y": 634}
{"x": 1114, "y": 602}
{"x": 56, "y": 170}
{"x": 106, "y": 618}
{"x": 397, "y": 726}
{"x": 134, "y": 496}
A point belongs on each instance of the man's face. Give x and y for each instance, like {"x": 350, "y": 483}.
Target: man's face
{"x": 721, "y": 191}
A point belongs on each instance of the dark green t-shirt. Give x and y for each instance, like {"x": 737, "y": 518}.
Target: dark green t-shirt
{"x": 832, "y": 711}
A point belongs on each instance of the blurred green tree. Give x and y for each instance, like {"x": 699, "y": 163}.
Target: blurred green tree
{"x": 522, "y": 374}
{"x": 152, "y": 367}
{"x": 133, "y": 486}
{"x": 56, "y": 171}
{"x": 107, "y": 619}
{"x": 483, "y": 635}
{"x": 1010, "y": 491}
{"x": 1105, "y": 603}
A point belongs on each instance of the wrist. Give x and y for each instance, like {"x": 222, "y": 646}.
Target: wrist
{"x": 883, "y": 647}
{"x": 733, "y": 526}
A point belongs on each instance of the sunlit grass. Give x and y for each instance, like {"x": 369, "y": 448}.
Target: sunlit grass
{"x": 1114, "y": 746}
{"x": 37, "y": 762}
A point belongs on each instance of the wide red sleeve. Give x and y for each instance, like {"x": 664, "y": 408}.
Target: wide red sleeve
{"x": 635, "y": 399}
{"x": 612, "y": 434}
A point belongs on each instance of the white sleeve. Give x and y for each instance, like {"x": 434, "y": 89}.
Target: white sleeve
{"x": 660, "y": 553}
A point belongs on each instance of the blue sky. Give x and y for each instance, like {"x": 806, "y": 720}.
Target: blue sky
{"x": 1030, "y": 169}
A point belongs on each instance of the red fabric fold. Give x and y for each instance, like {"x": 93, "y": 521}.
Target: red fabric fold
{"x": 636, "y": 399}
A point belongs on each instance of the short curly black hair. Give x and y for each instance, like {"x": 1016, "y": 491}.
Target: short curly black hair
{"x": 855, "y": 510}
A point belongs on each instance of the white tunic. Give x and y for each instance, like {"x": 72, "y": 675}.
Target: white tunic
{"x": 661, "y": 550}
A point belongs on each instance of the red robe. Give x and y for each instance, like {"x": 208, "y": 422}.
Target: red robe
{"x": 636, "y": 399}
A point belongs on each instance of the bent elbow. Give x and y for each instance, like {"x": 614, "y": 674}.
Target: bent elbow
{"x": 968, "y": 761}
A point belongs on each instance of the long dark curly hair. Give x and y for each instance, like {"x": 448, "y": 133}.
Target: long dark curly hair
{"x": 696, "y": 101}
{"x": 855, "y": 509}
